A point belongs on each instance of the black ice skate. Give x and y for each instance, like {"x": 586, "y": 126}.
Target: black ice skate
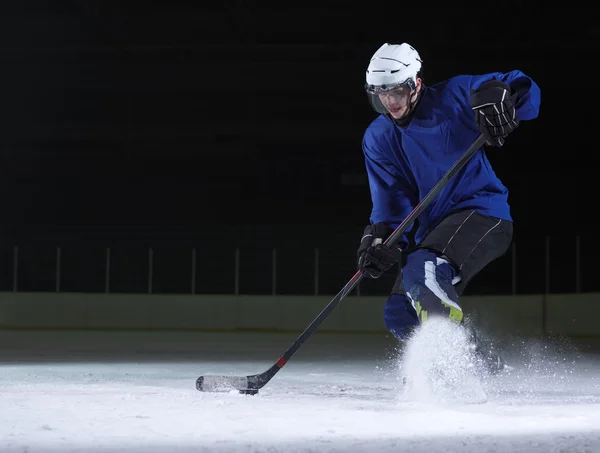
{"x": 491, "y": 360}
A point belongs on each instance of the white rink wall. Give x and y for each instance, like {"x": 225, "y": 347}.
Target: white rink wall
{"x": 574, "y": 315}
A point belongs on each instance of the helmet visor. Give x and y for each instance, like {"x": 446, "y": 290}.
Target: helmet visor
{"x": 390, "y": 99}
{"x": 379, "y": 89}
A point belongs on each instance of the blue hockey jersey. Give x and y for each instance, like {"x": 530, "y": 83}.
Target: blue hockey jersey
{"x": 404, "y": 163}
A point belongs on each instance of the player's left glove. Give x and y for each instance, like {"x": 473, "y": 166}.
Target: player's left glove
{"x": 373, "y": 257}
{"x": 494, "y": 109}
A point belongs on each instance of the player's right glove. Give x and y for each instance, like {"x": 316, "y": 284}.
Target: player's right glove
{"x": 494, "y": 109}
{"x": 373, "y": 257}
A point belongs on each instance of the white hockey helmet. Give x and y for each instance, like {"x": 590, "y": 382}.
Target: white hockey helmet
{"x": 391, "y": 67}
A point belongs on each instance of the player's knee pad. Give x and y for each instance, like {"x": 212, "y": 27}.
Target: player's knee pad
{"x": 399, "y": 316}
{"x": 428, "y": 282}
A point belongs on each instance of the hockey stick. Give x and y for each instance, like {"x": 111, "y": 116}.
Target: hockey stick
{"x": 251, "y": 384}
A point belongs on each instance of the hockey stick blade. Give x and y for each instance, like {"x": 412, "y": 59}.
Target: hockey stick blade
{"x": 244, "y": 384}
{"x": 221, "y": 383}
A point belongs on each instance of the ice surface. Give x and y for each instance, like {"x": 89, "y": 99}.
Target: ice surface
{"x": 135, "y": 392}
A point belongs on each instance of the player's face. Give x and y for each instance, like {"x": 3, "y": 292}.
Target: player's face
{"x": 397, "y": 101}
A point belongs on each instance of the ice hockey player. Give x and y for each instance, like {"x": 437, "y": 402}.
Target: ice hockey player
{"x": 420, "y": 132}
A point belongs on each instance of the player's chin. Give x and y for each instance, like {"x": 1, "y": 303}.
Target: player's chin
{"x": 398, "y": 114}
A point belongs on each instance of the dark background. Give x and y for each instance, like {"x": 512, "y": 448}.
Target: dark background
{"x": 238, "y": 125}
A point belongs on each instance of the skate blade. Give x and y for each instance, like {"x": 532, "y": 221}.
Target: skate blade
{"x": 507, "y": 369}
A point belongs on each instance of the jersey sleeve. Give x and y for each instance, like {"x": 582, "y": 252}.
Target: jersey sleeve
{"x": 391, "y": 193}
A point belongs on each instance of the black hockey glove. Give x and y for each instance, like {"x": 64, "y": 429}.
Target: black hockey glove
{"x": 373, "y": 257}
{"x": 494, "y": 108}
